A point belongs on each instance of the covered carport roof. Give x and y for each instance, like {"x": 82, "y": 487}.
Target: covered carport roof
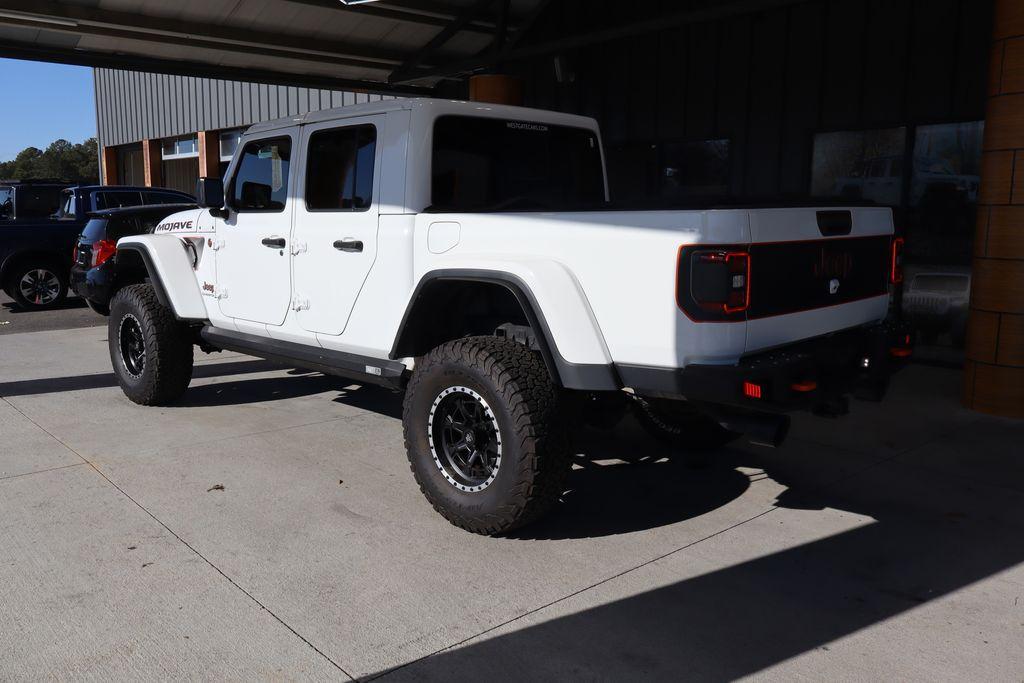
{"x": 385, "y": 46}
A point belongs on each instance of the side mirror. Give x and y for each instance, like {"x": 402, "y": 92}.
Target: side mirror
{"x": 210, "y": 195}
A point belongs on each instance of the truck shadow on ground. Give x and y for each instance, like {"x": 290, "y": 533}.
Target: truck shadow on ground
{"x": 924, "y": 534}
{"x": 69, "y": 303}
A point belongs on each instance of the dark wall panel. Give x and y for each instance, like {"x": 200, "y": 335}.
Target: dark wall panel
{"x": 767, "y": 81}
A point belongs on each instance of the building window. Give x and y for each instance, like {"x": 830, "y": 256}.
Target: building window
{"x": 865, "y": 165}
{"x": 932, "y": 186}
{"x": 229, "y": 143}
{"x": 180, "y": 148}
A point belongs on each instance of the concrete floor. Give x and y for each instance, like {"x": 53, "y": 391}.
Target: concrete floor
{"x": 887, "y": 545}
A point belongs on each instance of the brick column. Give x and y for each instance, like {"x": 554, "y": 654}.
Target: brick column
{"x": 209, "y": 154}
{"x": 151, "y": 162}
{"x": 994, "y": 371}
{"x": 496, "y": 89}
{"x": 108, "y": 174}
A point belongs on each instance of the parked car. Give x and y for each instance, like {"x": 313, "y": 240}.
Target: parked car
{"x": 467, "y": 255}
{"x": 35, "y": 249}
{"x": 96, "y": 274}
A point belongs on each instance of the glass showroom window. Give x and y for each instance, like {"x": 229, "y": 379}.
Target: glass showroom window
{"x": 864, "y": 165}
{"x": 180, "y": 148}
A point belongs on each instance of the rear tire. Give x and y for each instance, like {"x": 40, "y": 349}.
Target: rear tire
{"x": 37, "y": 286}
{"x": 484, "y": 433}
{"x": 150, "y": 351}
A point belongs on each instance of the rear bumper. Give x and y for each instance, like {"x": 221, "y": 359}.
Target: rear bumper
{"x": 816, "y": 374}
{"x": 94, "y": 284}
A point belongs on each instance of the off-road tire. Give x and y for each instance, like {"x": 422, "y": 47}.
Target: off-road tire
{"x": 20, "y": 271}
{"x": 166, "y": 367}
{"x": 691, "y": 434}
{"x": 524, "y": 403}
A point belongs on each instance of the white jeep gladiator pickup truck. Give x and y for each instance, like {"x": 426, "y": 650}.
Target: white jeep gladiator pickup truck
{"x": 466, "y": 254}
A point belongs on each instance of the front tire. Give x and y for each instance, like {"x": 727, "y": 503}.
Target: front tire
{"x": 38, "y": 286}
{"x": 484, "y": 434}
{"x": 150, "y": 351}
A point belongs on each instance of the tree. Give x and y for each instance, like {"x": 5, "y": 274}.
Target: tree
{"x": 62, "y": 160}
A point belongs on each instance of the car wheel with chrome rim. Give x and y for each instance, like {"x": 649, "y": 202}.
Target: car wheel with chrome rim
{"x": 37, "y": 286}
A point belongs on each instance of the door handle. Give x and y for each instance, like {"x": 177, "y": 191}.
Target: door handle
{"x": 273, "y": 242}
{"x": 348, "y": 245}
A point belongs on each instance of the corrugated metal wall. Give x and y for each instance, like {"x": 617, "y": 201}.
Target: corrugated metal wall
{"x": 133, "y": 105}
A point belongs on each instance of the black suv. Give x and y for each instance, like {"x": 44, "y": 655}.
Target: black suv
{"x": 96, "y": 275}
{"x": 39, "y": 226}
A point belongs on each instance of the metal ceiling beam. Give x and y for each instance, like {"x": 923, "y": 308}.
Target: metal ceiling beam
{"x": 74, "y": 19}
{"x": 647, "y": 26}
{"x": 29, "y": 51}
{"x": 442, "y": 37}
{"x": 423, "y": 14}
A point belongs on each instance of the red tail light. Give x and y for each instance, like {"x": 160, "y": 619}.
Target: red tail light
{"x": 713, "y": 284}
{"x": 896, "y": 268}
{"x": 752, "y": 390}
{"x": 102, "y": 250}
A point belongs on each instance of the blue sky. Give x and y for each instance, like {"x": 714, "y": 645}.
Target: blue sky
{"x": 44, "y": 102}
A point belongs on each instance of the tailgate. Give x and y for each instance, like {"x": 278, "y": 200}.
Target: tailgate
{"x": 816, "y": 271}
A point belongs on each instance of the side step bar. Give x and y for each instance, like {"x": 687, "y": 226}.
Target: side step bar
{"x": 382, "y": 372}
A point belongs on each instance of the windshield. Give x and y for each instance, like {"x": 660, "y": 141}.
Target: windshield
{"x": 482, "y": 164}
{"x": 67, "y": 206}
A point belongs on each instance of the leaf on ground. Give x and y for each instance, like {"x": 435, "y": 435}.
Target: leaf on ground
{"x": 215, "y": 487}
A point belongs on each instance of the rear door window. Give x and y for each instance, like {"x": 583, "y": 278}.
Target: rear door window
{"x": 339, "y": 170}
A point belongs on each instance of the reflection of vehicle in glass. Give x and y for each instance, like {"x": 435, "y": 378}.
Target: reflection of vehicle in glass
{"x": 935, "y": 181}
{"x": 936, "y": 300}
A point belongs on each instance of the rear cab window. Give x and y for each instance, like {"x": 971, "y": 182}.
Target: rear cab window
{"x": 40, "y": 201}
{"x": 261, "y": 178}
{"x": 490, "y": 164}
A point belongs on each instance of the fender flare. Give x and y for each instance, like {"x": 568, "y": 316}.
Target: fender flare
{"x": 170, "y": 272}
{"x": 569, "y": 375}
